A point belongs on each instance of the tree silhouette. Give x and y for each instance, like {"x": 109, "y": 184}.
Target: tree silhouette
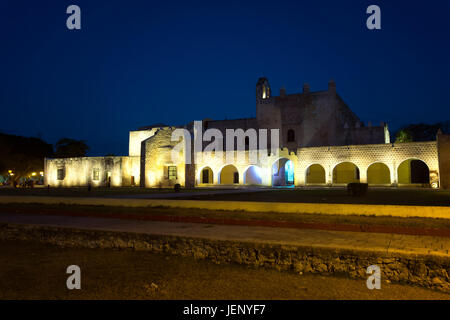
{"x": 421, "y": 131}
{"x": 22, "y": 155}
{"x": 70, "y": 148}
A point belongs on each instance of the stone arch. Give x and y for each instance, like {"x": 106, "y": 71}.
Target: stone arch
{"x": 378, "y": 173}
{"x": 252, "y": 175}
{"x": 345, "y": 172}
{"x": 413, "y": 171}
{"x": 283, "y": 172}
{"x": 315, "y": 174}
{"x": 229, "y": 175}
{"x": 206, "y": 175}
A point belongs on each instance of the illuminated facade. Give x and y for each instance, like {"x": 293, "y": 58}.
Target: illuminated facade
{"x": 321, "y": 142}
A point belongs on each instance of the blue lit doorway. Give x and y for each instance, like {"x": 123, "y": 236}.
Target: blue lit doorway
{"x": 283, "y": 173}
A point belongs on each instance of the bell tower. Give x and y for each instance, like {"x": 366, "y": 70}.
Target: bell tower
{"x": 262, "y": 90}
{"x": 268, "y": 113}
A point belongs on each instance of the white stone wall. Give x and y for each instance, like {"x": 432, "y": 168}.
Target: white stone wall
{"x": 364, "y": 155}
{"x": 136, "y": 137}
{"x": 130, "y": 168}
{"x": 216, "y": 164}
{"x": 158, "y": 157}
{"x": 328, "y": 157}
{"x": 80, "y": 171}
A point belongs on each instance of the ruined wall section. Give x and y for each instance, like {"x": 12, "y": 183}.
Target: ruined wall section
{"x": 136, "y": 138}
{"x": 158, "y": 159}
{"x": 97, "y": 171}
{"x": 443, "y": 145}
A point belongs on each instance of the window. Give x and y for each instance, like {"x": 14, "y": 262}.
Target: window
{"x": 172, "y": 170}
{"x": 60, "y": 174}
{"x": 265, "y": 92}
{"x": 96, "y": 174}
{"x": 290, "y": 135}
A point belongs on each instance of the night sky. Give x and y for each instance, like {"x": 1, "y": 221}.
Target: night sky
{"x": 136, "y": 63}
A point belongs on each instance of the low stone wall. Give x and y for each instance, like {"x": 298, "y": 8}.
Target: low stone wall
{"x": 424, "y": 270}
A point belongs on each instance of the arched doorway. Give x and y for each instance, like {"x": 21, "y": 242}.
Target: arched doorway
{"x": 252, "y": 175}
{"x": 413, "y": 171}
{"x": 378, "y": 173}
{"x": 206, "y": 176}
{"x": 290, "y": 135}
{"x": 345, "y": 172}
{"x": 283, "y": 172}
{"x": 229, "y": 175}
{"x": 315, "y": 174}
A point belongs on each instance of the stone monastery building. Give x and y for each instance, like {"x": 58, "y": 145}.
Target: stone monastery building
{"x": 321, "y": 142}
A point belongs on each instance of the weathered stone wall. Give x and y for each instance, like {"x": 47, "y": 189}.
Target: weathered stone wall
{"x": 424, "y": 270}
{"x": 364, "y": 155}
{"x": 443, "y": 145}
{"x": 136, "y": 137}
{"x": 319, "y": 118}
{"x": 241, "y": 161}
{"x": 365, "y": 135}
{"x": 81, "y": 171}
{"x": 158, "y": 158}
{"x": 130, "y": 171}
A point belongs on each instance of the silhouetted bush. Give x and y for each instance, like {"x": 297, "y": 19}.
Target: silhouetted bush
{"x": 357, "y": 189}
{"x": 177, "y": 187}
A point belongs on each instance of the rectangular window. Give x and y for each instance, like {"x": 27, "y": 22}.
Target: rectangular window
{"x": 172, "y": 170}
{"x": 60, "y": 174}
{"x": 96, "y": 174}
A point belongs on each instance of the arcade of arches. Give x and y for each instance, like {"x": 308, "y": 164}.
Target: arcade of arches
{"x": 402, "y": 164}
{"x": 409, "y": 172}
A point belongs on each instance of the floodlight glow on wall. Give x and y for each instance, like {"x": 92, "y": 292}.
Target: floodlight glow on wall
{"x": 289, "y": 171}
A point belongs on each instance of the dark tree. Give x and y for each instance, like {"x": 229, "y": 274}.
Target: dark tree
{"x": 22, "y": 155}
{"x": 70, "y": 148}
{"x": 421, "y": 131}
{"x": 403, "y": 135}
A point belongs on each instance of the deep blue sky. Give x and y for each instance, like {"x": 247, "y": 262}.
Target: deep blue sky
{"x": 135, "y": 63}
